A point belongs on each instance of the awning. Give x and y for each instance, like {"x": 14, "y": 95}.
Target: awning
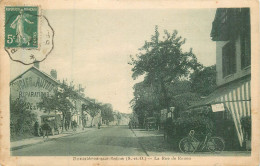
{"x": 236, "y": 97}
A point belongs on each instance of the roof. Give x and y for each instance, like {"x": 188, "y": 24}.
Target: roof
{"x": 227, "y": 24}
{"x": 36, "y": 71}
{"x": 39, "y": 72}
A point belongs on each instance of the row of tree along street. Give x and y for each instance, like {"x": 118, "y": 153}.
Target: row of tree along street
{"x": 172, "y": 78}
{"x": 23, "y": 120}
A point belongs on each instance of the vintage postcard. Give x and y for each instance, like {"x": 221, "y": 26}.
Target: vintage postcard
{"x": 129, "y": 82}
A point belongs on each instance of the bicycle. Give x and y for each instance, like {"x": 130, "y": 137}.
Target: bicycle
{"x": 190, "y": 144}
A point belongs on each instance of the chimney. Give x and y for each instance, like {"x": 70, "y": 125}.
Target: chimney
{"x": 36, "y": 64}
{"x": 54, "y": 74}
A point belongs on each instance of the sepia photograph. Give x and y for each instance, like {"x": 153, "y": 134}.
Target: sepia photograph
{"x": 128, "y": 84}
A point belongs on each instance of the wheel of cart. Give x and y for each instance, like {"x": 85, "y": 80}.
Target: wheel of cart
{"x": 54, "y": 121}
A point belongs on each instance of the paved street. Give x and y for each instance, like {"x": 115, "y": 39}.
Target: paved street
{"x": 108, "y": 141}
{"x": 111, "y": 141}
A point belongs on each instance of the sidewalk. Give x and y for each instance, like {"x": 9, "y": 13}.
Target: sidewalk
{"x": 154, "y": 144}
{"x": 36, "y": 140}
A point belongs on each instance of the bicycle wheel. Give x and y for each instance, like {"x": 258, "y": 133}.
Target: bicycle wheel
{"x": 216, "y": 144}
{"x": 186, "y": 145}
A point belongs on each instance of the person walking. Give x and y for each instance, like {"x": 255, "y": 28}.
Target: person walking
{"x": 74, "y": 125}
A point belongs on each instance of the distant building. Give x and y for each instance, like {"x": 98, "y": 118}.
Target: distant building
{"x": 125, "y": 119}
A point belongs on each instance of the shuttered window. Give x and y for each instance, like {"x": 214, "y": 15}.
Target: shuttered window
{"x": 229, "y": 59}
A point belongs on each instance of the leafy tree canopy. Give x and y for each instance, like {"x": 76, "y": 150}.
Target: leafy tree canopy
{"x": 92, "y": 108}
{"x": 166, "y": 69}
{"x": 204, "y": 80}
{"x": 163, "y": 59}
{"x": 62, "y": 100}
{"x": 21, "y": 118}
{"x": 107, "y": 112}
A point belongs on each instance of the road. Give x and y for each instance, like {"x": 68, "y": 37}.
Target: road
{"x": 111, "y": 141}
{"x": 108, "y": 141}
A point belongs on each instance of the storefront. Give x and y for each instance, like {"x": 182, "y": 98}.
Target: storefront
{"x": 232, "y": 33}
{"x": 31, "y": 86}
{"x": 236, "y": 100}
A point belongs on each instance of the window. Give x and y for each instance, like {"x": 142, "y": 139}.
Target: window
{"x": 245, "y": 39}
{"x": 229, "y": 59}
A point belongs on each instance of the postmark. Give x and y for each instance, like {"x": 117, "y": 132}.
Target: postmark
{"x": 28, "y": 34}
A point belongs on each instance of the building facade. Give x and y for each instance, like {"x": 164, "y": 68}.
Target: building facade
{"x": 231, "y": 32}
{"x": 231, "y": 100}
{"x": 31, "y": 86}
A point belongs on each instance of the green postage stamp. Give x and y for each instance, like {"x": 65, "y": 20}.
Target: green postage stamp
{"x": 28, "y": 34}
{"x": 21, "y": 26}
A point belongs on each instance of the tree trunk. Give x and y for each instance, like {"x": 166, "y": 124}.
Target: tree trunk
{"x": 70, "y": 122}
{"x": 82, "y": 122}
{"x": 63, "y": 121}
{"x": 82, "y": 119}
{"x": 92, "y": 121}
{"x": 165, "y": 95}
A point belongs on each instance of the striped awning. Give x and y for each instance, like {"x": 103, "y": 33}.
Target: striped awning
{"x": 238, "y": 102}
{"x": 236, "y": 97}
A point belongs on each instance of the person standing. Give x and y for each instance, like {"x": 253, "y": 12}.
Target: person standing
{"x": 36, "y": 129}
{"x": 99, "y": 124}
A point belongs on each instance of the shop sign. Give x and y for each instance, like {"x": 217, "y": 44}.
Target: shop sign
{"x": 163, "y": 115}
{"x": 218, "y": 107}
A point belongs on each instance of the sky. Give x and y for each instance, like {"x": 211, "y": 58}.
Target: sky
{"x": 92, "y": 47}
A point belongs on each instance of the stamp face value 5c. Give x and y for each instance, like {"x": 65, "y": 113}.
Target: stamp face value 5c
{"x": 21, "y": 27}
{"x": 28, "y": 34}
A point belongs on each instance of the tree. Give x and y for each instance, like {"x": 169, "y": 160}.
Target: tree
{"x": 62, "y": 100}
{"x": 146, "y": 101}
{"x": 93, "y": 109}
{"x": 118, "y": 117}
{"x": 204, "y": 80}
{"x": 21, "y": 118}
{"x": 163, "y": 62}
{"x": 107, "y": 113}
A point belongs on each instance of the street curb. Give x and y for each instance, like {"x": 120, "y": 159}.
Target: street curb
{"x": 42, "y": 141}
{"x": 140, "y": 143}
